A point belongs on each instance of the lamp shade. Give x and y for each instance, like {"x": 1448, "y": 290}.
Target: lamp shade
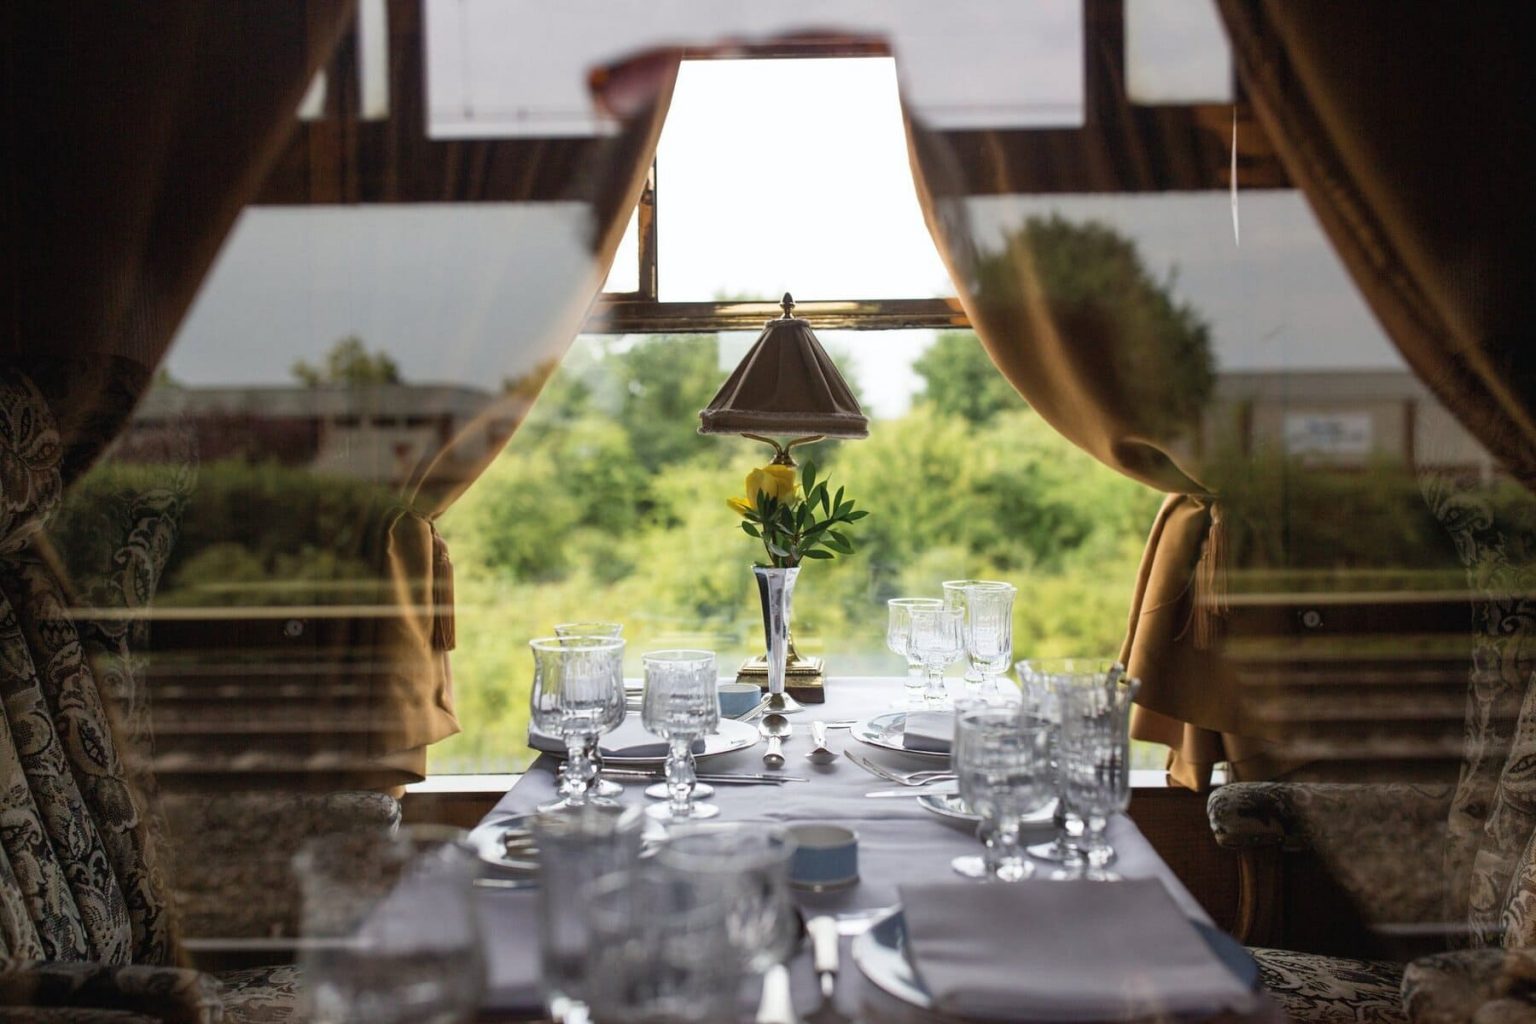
{"x": 785, "y": 384}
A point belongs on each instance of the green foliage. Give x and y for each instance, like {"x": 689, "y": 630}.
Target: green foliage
{"x": 348, "y": 363}
{"x": 792, "y": 528}
{"x": 1148, "y": 351}
{"x": 960, "y": 378}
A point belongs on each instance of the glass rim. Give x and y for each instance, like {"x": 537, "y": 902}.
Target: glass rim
{"x": 677, "y": 655}
{"x": 990, "y": 585}
{"x": 587, "y": 643}
{"x": 1071, "y": 665}
{"x": 961, "y": 584}
{"x": 590, "y": 627}
{"x": 915, "y": 602}
{"x": 778, "y": 846}
{"x": 958, "y": 613}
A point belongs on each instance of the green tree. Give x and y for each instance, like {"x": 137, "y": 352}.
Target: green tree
{"x": 348, "y": 363}
{"x": 1151, "y": 352}
{"x": 960, "y": 378}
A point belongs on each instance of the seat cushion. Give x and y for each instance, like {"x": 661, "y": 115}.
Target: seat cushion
{"x": 261, "y": 995}
{"x": 1332, "y": 990}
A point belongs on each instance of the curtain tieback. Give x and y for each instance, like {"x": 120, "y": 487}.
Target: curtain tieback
{"x": 1211, "y": 582}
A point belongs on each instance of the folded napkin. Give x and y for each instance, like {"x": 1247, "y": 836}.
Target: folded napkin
{"x": 628, "y": 740}
{"x": 930, "y": 731}
{"x": 1063, "y": 951}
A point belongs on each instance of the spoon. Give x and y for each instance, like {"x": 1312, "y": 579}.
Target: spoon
{"x": 776, "y": 729}
{"x": 819, "y": 752}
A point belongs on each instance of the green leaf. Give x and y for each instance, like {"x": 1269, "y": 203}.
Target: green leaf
{"x": 854, "y": 517}
{"x": 839, "y": 540}
{"x": 843, "y": 509}
{"x": 818, "y": 553}
{"x": 808, "y": 477}
{"x": 839, "y": 499}
{"x": 776, "y": 550}
{"x": 750, "y": 530}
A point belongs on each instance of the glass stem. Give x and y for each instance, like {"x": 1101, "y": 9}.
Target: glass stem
{"x": 914, "y": 684}
{"x": 579, "y": 767}
{"x": 1005, "y": 859}
{"x": 986, "y": 831}
{"x": 594, "y": 761}
{"x": 934, "y": 694}
{"x": 1072, "y": 843}
{"x": 680, "y": 776}
{"x": 1096, "y": 848}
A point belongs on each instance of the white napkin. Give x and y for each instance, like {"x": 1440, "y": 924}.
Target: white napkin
{"x": 1074, "y": 950}
{"x": 930, "y": 731}
{"x": 628, "y": 740}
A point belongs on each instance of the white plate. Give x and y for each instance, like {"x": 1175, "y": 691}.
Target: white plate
{"x": 881, "y": 954}
{"x": 732, "y": 736}
{"x": 886, "y": 731}
{"x": 950, "y": 805}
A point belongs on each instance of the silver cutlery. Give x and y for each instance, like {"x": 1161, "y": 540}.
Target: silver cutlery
{"x": 820, "y": 753}
{"x": 916, "y": 778}
{"x": 940, "y": 787}
{"x": 762, "y": 706}
{"x": 743, "y": 778}
{"x": 776, "y": 729}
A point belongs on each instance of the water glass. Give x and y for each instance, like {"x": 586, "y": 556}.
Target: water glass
{"x": 1003, "y": 766}
{"x": 578, "y": 695}
{"x": 898, "y": 637}
{"x": 1042, "y": 680}
{"x": 954, "y": 597}
{"x": 1096, "y": 764}
{"x": 989, "y": 634}
{"x": 389, "y": 929}
{"x": 680, "y": 706}
{"x": 600, "y": 786}
{"x": 937, "y": 642}
{"x": 747, "y": 865}
{"x": 660, "y": 950}
{"x": 577, "y": 846}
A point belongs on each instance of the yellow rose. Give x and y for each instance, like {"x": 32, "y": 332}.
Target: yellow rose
{"x": 739, "y": 505}
{"x": 775, "y": 481}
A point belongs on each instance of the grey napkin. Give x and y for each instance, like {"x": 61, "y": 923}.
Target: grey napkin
{"x": 930, "y": 731}
{"x": 1063, "y": 951}
{"x": 628, "y": 740}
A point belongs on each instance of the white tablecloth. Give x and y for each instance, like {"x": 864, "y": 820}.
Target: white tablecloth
{"x": 899, "y": 842}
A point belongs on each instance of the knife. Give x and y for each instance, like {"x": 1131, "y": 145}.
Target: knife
{"x": 823, "y": 933}
{"x": 937, "y": 789}
{"x": 744, "y": 778}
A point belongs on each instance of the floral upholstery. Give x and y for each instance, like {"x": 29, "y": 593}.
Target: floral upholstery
{"x": 232, "y": 851}
{"x": 1382, "y": 842}
{"x": 1448, "y": 987}
{"x": 173, "y": 995}
{"x": 262, "y": 995}
{"x": 1332, "y": 990}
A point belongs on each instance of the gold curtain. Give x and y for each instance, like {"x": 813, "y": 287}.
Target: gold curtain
{"x": 411, "y": 644}
{"x": 1101, "y": 382}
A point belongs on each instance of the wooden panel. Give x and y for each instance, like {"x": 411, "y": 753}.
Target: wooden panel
{"x": 1175, "y": 823}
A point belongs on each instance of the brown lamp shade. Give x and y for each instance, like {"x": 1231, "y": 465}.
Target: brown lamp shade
{"x": 786, "y": 384}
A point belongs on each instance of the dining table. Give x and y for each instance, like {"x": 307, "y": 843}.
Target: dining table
{"x": 899, "y": 842}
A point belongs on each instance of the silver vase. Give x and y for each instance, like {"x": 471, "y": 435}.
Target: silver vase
{"x": 774, "y": 587}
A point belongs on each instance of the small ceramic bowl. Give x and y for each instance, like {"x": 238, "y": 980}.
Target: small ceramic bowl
{"x": 826, "y": 857}
{"x": 737, "y": 699}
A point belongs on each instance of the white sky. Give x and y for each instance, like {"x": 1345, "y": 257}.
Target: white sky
{"x": 772, "y": 176}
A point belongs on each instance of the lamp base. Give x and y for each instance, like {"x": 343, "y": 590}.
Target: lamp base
{"x": 804, "y": 678}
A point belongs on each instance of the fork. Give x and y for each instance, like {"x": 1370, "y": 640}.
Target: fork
{"x": 919, "y": 778}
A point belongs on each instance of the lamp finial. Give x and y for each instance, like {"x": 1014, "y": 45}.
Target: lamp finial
{"x": 787, "y": 304}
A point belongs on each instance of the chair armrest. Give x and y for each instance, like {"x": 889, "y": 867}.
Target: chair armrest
{"x": 1486, "y": 986}
{"x": 1313, "y": 815}
{"x": 174, "y": 995}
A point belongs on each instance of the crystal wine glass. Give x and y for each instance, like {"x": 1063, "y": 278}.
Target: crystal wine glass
{"x": 680, "y": 706}
{"x": 1043, "y": 680}
{"x": 954, "y": 597}
{"x": 1096, "y": 765}
{"x": 578, "y": 695}
{"x": 1003, "y": 764}
{"x": 898, "y": 637}
{"x": 600, "y": 785}
{"x": 936, "y": 643}
{"x": 989, "y": 634}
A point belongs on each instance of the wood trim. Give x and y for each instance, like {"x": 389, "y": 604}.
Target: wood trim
{"x": 1260, "y": 919}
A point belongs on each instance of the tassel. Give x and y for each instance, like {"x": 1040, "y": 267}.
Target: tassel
{"x": 1211, "y": 583}
{"x": 443, "y": 635}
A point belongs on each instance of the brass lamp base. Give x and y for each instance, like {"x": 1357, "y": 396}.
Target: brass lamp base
{"x": 803, "y": 677}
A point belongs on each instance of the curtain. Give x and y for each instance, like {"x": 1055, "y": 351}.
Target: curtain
{"x": 1099, "y": 372}
{"x": 1409, "y": 130}
{"x": 412, "y": 644}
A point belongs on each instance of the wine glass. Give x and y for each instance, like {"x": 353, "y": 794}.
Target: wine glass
{"x": 936, "y": 643}
{"x": 1043, "y": 680}
{"x": 600, "y": 785}
{"x": 989, "y": 634}
{"x": 660, "y": 949}
{"x": 898, "y": 637}
{"x": 1003, "y": 765}
{"x": 389, "y": 927}
{"x": 1096, "y": 765}
{"x": 578, "y": 695}
{"x": 680, "y": 706}
{"x": 954, "y": 597}
{"x": 747, "y": 865}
